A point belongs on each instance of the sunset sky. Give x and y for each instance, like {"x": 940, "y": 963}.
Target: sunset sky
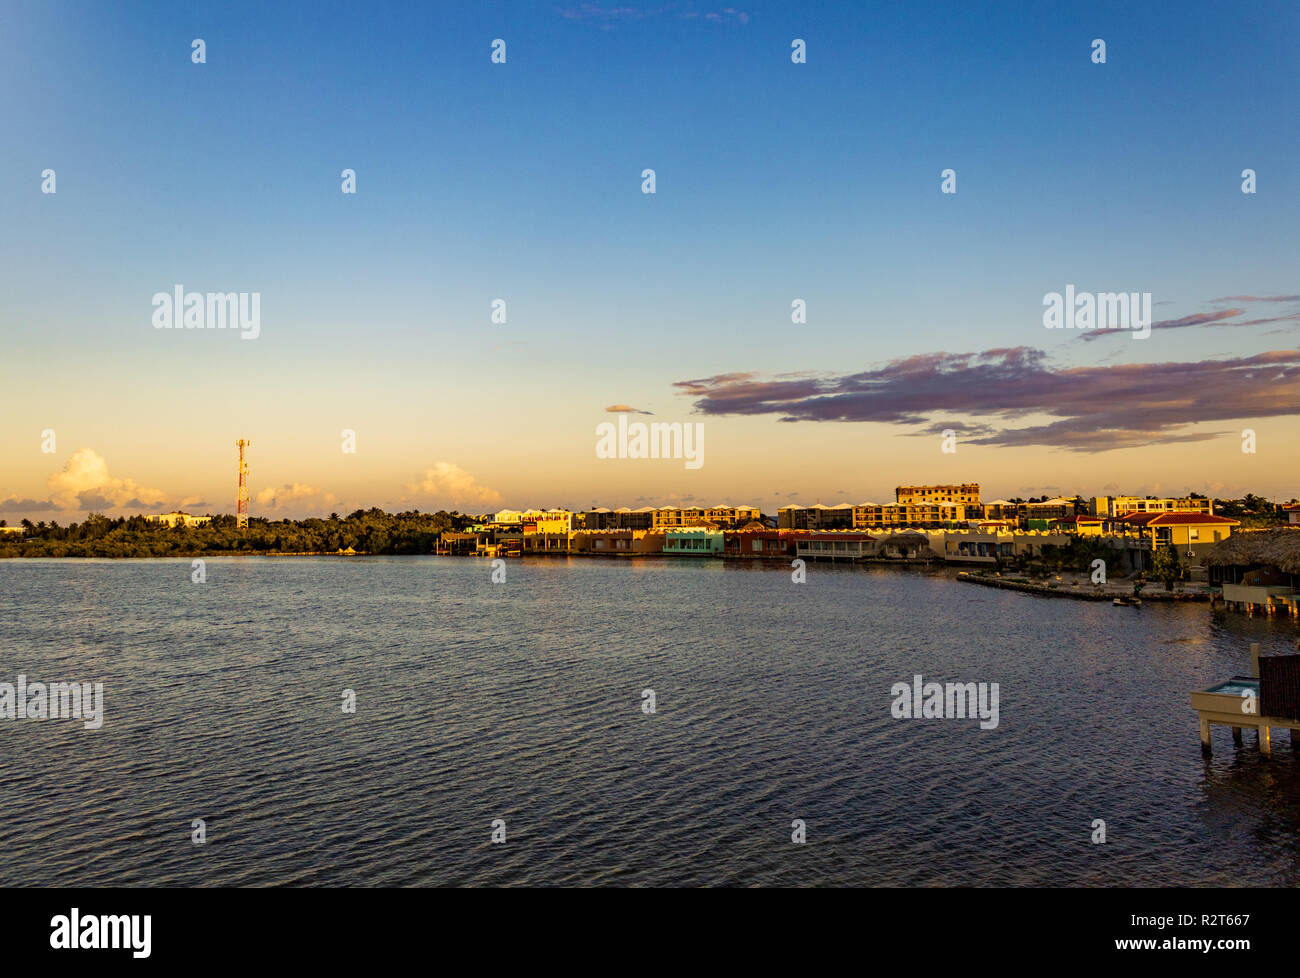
{"x": 522, "y": 181}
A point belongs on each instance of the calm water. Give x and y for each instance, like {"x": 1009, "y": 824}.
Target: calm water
{"x": 522, "y": 701}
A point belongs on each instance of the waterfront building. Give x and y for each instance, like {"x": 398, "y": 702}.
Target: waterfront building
{"x": 909, "y": 545}
{"x": 695, "y": 541}
{"x": 1184, "y": 531}
{"x": 1259, "y": 571}
{"x": 453, "y": 543}
{"x": 616, "y": 542}
{"x": 501, "y": 543}
{"x": 759, "y": 542}
{"x": 546, "y": 543}
{"x": 834, "y": 545}
{"x": 979, "y": 546}
{"x": 1137, "y": 535}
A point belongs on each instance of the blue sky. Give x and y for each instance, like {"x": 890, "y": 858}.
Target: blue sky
{"x": 522, "y": 181}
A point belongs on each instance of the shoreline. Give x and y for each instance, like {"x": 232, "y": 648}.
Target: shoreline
{"x": 201, "y": 555}
{"x": 1078, "y": 594}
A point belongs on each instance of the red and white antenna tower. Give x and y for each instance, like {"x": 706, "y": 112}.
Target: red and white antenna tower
{"x": 241, "y": 500}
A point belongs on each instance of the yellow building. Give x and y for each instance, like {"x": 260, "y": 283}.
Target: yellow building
{"x": 722, "y": 514}
{"x": 966, "y": 494}
{"x": 536, "y": 520}
{"x": 1192, "y": 535}
{"x": 1089, "y": 526}
{"x": 1001, "y": 509}
{"x": 668, "y": 517}
{"x": 870, "y": 515}
{"x": 1119, "y": 505}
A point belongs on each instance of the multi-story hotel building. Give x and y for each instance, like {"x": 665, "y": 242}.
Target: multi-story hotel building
{"x": 1119, "y": 505}
{"x": 670, "y": 516}
{"x": 878, "y": 515}
{"x": 966, "y": 494}
{"x": 730, "y": 515}
{"x": 1001, "y": 509}
{"x": 667, "y": 517}
{"x": 622, "y": 518}
{"x": 816, "y": 517}
{"x": 1047, "y": 510}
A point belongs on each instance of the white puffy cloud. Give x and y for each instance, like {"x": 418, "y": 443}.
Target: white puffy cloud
{"x": 85, "y": 483}
{"x": 448, "y": 483}
{"x": 295, "y": 494}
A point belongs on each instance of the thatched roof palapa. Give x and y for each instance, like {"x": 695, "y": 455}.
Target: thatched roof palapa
{"x": 1281, "y": 548}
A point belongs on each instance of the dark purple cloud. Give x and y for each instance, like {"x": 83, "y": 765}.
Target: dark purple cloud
{"x": 16, "y": 505}
{"x": 1219, "y": 317}
{"x": 1091, "y": 409}
{"x": 1196, "y": 319}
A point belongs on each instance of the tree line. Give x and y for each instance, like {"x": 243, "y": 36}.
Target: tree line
{"x": 370, "y": 531}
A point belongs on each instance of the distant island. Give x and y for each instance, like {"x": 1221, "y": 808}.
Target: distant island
{"x": 370, "y": 531}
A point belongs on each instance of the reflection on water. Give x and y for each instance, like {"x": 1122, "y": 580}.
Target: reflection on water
{"x": 522, "y": 701}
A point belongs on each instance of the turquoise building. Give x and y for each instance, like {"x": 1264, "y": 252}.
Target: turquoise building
{"x": 693, "y": 542}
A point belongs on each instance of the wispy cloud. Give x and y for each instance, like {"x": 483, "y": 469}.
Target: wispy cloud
{"x": 1096, "y": 408}
{"x": 1218, "y": 317}
{"x": 1257, "y": 298}
{"x": 625, "y": 409}
{"x": 608, "y": 16}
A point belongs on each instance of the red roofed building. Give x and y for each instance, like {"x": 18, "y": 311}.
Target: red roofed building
{"x": 1191, "y": 534}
